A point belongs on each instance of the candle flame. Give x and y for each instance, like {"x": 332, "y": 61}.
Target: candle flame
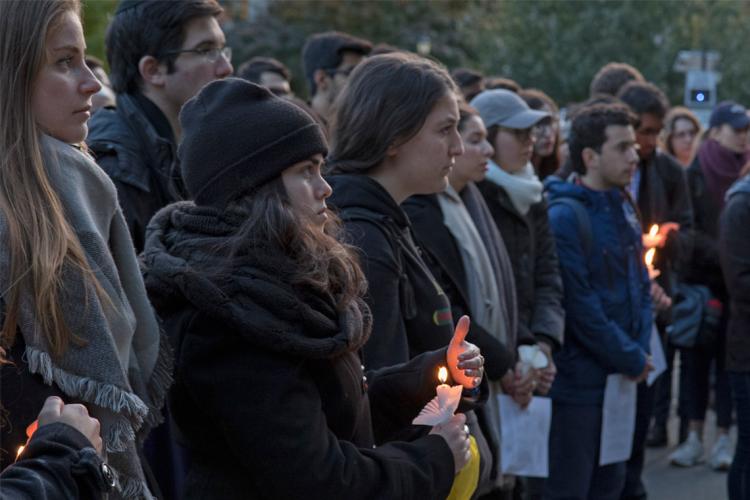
{"x": 654, "y": 230}
{"x": 442, "y": 374}
{"x": 650, "y": 256}
{"x": 20, "y": 450}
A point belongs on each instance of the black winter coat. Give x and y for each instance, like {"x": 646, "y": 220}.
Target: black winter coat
{"x": 59, "y": 463}
{"x": 444, "y": 258}
{"x": 267, "y": 405}
{"x": 735, "y": 259}
{"x": 663, "y": 196}
{"x": 133, "y": 145}
{"x": 533, "y": 254}
{"x": 411, "y": 313}
{"x": 705, "y": 264}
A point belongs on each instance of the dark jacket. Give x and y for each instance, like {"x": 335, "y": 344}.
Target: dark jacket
{"x": 139, "y": 156}
{"x": 607, "y": 300}
{"x": 268, "y": 403}
{"x": 444, "y": 259}
{"x": 735, "y": 259}
{"x": 22, "y": 395}
{"x": 532, "y": 252}
{"x": 663, "y": 196}
{"x": 705, "y": 265}
{"x": 58, "y": 463}
{"x": 411, "y": 313}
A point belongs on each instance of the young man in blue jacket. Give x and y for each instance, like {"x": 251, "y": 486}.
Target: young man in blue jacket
{"x": 607, "y": 298}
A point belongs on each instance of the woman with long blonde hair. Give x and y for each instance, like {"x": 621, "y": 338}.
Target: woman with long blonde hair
{"x": 76, "y": 321}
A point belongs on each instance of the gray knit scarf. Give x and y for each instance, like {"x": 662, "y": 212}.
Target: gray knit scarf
{"x": 123, "y": 369}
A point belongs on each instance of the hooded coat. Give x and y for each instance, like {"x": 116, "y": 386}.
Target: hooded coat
{"x": 607, "y": 299}
{"x": 270, "y": 396}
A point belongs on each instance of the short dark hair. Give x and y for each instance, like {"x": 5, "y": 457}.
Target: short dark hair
{"x": 93, "y": 62}
{"x": 465, "y": 77}
{"x": 252, "y": 69}
{"x": 385, "y": 102}
{"x": 325, "y": 51}
{"x": 536, "y": 99}
{"x": 589, "y": 126}
{"x": 152, "y": 28}
{"x": 644, "y": 98}
{"x": 612, "y": 76}
{"x": 465, "y": 111}
{"x": 500, "y": 82}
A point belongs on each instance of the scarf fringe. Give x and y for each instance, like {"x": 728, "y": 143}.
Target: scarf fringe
{"x": 128, "y": 487}
{"x": 161, "y": 380}
{"x": 119, "y": 436}
{"x": 89, "y": 390}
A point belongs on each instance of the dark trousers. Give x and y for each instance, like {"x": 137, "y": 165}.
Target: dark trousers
{"x": 698, "y": 367}
{"x": 663, "y": 389}
{"x": 634, "y": 488}
{"x": 739, "y": 474}
{"x": 574, "y": 471}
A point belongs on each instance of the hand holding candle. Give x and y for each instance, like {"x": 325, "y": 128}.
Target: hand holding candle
{"x": 465, "y": 361}
{"x": 657, "y": 235}
{"x": 653, "y": 273}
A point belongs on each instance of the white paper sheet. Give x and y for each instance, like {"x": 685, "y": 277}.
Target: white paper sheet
{"x": 525, "y": 436}
{"x": 618, "y": 420}
{"x": 657, "y": 356}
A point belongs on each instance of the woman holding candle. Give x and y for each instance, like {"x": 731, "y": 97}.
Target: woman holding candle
{"x": 76, "y": 321}
{"x": 265, "y": 307}
{"x": 467, "y": 255}
{"x": 394, "y": 136}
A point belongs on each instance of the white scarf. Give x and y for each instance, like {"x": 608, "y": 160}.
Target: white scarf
{"x": 523, "y": 187}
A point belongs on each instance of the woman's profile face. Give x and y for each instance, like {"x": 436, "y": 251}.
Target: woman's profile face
{"x": 62, "y": 90}
{"x": 683, "y": 138}
{"x": 421, "y": 165}
{"x": 733, "y": 140}
{"x": 307, "y": 190}
{"x": 513, "y": 148}
{"x": 473, "y": 164}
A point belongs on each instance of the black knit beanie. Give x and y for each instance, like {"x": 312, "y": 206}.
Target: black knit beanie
{"x": 237, "y": 136}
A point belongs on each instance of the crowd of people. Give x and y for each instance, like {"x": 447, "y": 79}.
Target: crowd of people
{"x": 214, "y": 288}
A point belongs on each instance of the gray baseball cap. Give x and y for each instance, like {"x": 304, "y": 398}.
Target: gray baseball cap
{"x": 505, "y": 108}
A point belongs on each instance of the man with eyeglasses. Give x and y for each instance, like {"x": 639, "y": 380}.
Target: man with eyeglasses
{"x": 160, "y": 55}
{"x": 328, "y": 59}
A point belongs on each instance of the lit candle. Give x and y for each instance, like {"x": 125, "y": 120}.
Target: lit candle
{"x": 443, "y": 390}
{"x": 652, "y": 273}
{"x": 442, "y": 407}
{"x": 651, "y": 239}
{"x": 20, "y": 450}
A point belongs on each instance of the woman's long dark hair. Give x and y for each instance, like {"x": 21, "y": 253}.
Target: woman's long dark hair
{"x": 385, "y": 103}
{"x": 319, "y": 259}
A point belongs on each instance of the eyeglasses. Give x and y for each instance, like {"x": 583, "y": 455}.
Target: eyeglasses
{"x": 686, "y": 134}
{"x": 524, "y": 134}
{"x": 211, "y": 55}
{"x": 345, "y": 72}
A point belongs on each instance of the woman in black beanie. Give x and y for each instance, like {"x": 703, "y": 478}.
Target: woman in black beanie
{"x": 265, "y": 308}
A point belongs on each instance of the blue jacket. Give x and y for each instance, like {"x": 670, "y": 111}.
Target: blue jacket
{"x": 608, "y": 317}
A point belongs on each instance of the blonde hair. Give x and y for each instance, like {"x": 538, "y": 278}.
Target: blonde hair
{"x": 41, "y": 241}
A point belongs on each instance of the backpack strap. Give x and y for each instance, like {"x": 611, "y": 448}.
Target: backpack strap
{"x": 584, "y": 221}
{"x": 394, "y": 236}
